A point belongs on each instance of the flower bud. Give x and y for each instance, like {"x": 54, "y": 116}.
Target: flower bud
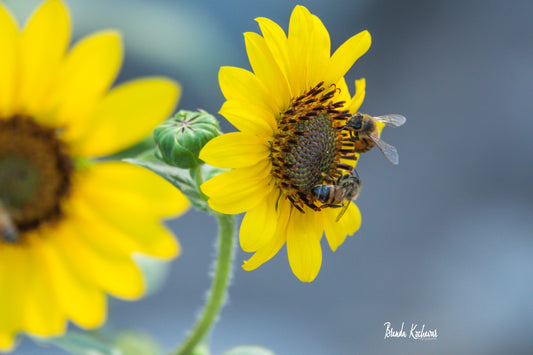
{"x": 180, "y": 139}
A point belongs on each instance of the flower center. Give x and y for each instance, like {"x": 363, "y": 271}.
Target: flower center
{"x": 309, "y": 148}
{"x": 35, "y": 174}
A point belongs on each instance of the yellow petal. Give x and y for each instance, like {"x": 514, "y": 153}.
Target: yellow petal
{"x": 122, "y": 231}
{"x": 117, "y": 276}
{"x": 299, "y": 49}
{"x": 303, "y": 246}
{"x": 125, "y": 219}
{"x": 319, "y": 51}
{"x": 275, "y": 243}
{"x": 241, "y": 201}
{"x": 358, "y": 97}
{"x": 267, "y": 70}
{"x": 304, "y": 59}
{"x": 353, "y": 220}
{"x": 260, "y": 223}
{"x": 240, "y": 189}
{"x": 346, "y": 55}
{"x": 235, "y": 150}
{"x": 8, "y": 61}
{"x": 102, "y": 234}
{"x": 336, "y": 232}
{"x": 134, "y": 187}
{"x": 43, "y": 315}
{"x": 7, "y": 341}
{"x": 343, "y": 92}
{"x": 217, "y": 185}
{"x": 84, "y": 304}
{"x": 42, "y": 48}
{"x": 13, "y": 292}
{"x": 249, "y": 118}
{"x": 276, "y": 41}
{"x": 87, "y": 73}
{"x": 242, "y": 85}
{"x": 126, "y": 115}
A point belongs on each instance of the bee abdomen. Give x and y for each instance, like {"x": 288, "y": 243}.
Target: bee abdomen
{"x": 363, "y": 145}
{"x": 324, "y": 193}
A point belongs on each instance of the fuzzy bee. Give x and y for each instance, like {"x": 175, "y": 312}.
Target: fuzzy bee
{"x": 365, "y": 134}
{"x": 339, "y": 193}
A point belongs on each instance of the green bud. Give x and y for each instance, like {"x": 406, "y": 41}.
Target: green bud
{"x": 180, "y": 139}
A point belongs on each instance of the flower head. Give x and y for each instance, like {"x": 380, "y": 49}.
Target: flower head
{"x": 69, "y": 225}
{"x": 290, "y": 112}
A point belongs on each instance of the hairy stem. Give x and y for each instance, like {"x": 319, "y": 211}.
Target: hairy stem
{"x": 218, "y": 291}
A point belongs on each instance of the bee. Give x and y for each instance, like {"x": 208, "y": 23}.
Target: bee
{"x": 340, "y": 193}
{"x": 365, "y": 134}
{"x": 8, "y": 231}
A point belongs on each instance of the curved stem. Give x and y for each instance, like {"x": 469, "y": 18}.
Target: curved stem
{"x": 217, "y": 293}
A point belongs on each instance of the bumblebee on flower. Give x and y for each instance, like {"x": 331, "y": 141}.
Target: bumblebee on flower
{"x": 291, "y": 113}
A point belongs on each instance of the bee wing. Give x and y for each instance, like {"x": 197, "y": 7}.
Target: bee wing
{"x": 355, "y": 173}
{"x": 393, "y": 120}
{"x": 343, "y": 209}
{"x": 388, "y": 150}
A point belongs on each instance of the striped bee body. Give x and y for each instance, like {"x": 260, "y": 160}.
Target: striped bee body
{"x": 365, "y": 135}
{"x": 340, "y": 193}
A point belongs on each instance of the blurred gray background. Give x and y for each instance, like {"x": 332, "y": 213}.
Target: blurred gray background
{"x": 447, "y": 236}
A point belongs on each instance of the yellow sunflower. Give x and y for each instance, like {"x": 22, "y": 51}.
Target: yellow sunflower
{"x": 290, "y": 112}
{"x": 68, "y": 224}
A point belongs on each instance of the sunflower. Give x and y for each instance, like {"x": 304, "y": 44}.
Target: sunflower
{"x": 290, "y": 112}
{"x": 69, "y": 223}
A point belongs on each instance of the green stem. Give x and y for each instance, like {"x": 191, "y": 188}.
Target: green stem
{"x": 217, "y": 294}
{"x": 197, "y": 177}
{"x": 196, "y": 174}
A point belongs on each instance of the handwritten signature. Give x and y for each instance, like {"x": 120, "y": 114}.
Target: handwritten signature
{"x": 416, "y": 332}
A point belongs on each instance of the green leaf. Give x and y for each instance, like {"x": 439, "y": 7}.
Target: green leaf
{"x": 154, "y": 270}
{"x": 136, "y": 343}
{"x": 248, "y": 350}
{"x": 180, "y": 178}
{"x": 79, "y": 344}
{"x": 201, "y": 349}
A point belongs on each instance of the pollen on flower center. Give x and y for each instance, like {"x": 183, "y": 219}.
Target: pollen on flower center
{"x": 308, "y": 146}
{"x": 35, "y": 172}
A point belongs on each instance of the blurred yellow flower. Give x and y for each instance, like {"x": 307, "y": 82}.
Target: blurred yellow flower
{"x": 69, "y": 225}
{"x": 288, "y": 111}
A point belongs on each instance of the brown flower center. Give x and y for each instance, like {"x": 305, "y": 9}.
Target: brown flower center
{"x": 308, "y": 146}
{"x": 35, "y": 175}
